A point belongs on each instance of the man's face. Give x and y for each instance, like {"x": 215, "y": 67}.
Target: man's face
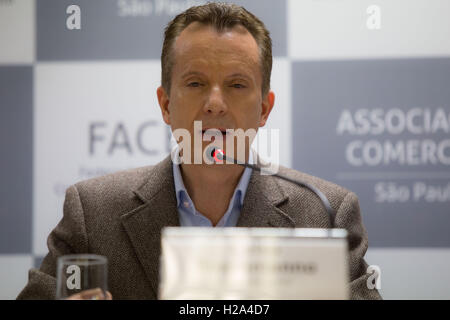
{"x": 216, "y": 78}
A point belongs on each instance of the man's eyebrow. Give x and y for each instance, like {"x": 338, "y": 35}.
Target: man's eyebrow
{"x": 198, "y": 73}
{"x": 192, "y": 73}
{"x": 238, "y": 74}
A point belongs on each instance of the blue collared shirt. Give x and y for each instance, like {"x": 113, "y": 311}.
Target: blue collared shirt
{"x": 190, "y": 217}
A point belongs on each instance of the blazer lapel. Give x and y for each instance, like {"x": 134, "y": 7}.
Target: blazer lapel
{"x": 262, "y": 199}
{"x": 144, "y": 224}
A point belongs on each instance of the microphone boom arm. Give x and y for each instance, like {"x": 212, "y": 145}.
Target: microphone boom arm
{"x": 316, "y": 191}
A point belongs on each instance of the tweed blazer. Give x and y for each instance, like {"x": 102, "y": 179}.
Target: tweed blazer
{"x": 121, "y": 215}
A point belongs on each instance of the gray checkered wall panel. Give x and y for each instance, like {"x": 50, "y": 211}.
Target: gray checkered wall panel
{"x": 360, "y": 102}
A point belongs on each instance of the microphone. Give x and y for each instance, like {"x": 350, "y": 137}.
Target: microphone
{"x": 217, "y": 155}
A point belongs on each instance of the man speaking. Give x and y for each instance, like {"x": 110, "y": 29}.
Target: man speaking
{"x": 216, "y": 66}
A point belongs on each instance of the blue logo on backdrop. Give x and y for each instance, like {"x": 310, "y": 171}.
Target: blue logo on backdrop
{"x": 381, "y": 129}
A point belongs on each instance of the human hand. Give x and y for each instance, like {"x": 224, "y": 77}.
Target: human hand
{"x": 92, "y": 294}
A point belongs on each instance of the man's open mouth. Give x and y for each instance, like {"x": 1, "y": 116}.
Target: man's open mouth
{"x": 214, "y": 132}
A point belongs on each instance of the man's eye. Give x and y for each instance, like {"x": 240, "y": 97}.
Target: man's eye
{"x": 238, "y": 86}
{"x": 194, "y": 84}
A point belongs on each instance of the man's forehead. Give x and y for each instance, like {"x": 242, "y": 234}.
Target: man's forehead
{"x": 199, "y": 40}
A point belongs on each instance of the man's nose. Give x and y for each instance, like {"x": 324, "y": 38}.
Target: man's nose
{"x": 215, "y": 105}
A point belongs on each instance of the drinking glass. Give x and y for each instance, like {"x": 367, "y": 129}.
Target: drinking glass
{"x": 80, "y": 272}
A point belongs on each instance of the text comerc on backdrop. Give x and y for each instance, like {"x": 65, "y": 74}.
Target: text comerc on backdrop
{"x": 362, "y": 99}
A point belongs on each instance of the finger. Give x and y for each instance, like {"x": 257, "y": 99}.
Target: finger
{"x": 75, "y": 297}
{"x": 108, "y": 295}
{"x": 91, "y": 294}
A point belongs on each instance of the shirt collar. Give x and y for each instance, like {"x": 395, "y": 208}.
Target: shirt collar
{"x": 181, "y": 192}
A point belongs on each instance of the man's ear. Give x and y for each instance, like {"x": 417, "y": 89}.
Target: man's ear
{"x": 267, "y": 105}
{"x": 163, "y": 100}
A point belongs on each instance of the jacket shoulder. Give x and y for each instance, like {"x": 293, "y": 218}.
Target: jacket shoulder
{"x": 334, "y": 192}
{"x": 112, "y": 189}
{"x": 129, "y": 178}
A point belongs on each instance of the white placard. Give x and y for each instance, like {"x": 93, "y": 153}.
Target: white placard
{"x": 253, "y": 264}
